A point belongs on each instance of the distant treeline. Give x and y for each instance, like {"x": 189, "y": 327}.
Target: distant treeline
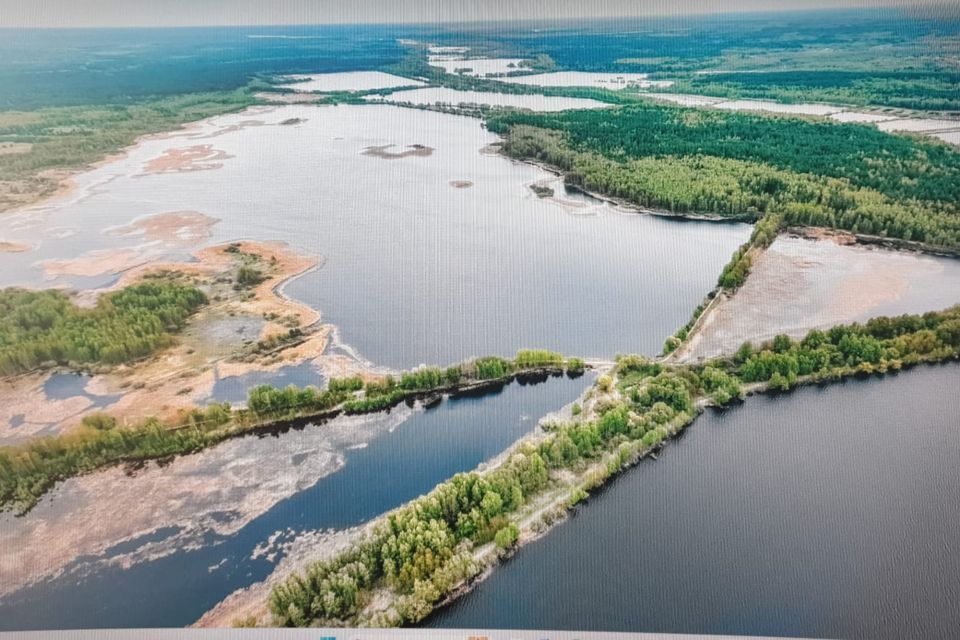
{"x": 27, "y": 471}
{"x": 45, "y": 328}
{"x": 743, "y": 166}
{"x": 932, "y": 90}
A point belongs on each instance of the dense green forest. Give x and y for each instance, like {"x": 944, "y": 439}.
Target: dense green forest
{"x": 41, "y": 328}
{"x": 72, "y": 137}
{"x": 879, "y": 345}
{"x": 425, "y": 549}
{"x": 27, "y": 471}
{"x": 933, "y": 90}
{"x": 743, "y": 166}
{"x": 896, "y": 166}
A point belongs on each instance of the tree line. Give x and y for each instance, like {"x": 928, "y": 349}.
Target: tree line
{"x": 908, "y": 191}
{"x": 27, "y": 471}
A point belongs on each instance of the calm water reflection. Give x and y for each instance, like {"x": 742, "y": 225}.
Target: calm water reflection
{"x": 825, "y": 513}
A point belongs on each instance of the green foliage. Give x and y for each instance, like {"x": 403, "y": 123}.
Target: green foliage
{"x": 507, "y": 536}
{"x": 249, "y": 276}
{"x": 735, "y": 272}
{"x": 39, "y": 327}
{"x": 422, "y": 550}
{"x": 354, "y": 383}
{"x": 745, "y": 166}
{"x": 267, "y": 400}
{"x": 908, "y": 89}
{"x": 575, "y": 365}
{"x": 878, "y": 345}
{"x": 491, "y": 367}
{"x": 532, "y": 358}
{"x": 99, "y": 421}
{"x": 895, "y": 166}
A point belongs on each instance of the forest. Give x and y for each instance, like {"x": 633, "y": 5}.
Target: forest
{"x": 427, "y": 548}
{"x": 864, "y": 156}
{"x": 879, "y": 345}
{"x": 929, "y": 90}
{"x": 46, "y": 329}
{"x": 743, "y": 166}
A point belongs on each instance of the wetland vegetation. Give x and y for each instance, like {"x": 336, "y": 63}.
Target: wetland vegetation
{"x": 28, "y": 471}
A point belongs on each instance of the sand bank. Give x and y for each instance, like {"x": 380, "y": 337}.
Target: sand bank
{"x": 804, "y": 283}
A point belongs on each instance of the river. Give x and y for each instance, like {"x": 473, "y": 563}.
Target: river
{"x": 823, "y": 513}
{"x": 180, "y": 568}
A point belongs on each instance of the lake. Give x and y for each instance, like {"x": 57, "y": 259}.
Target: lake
{"x": 435, "y": 248}
{"x": 823, "y": 513}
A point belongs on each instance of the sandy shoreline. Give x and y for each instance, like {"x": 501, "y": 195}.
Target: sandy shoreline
{"x": 817, "y": 279}
{"x": 183, "y": 376}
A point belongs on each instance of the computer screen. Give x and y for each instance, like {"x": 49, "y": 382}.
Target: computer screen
{"x": 479, "y": 319}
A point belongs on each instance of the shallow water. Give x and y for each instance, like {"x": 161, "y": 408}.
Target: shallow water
{"x": 60, "y": 386}
{"x": 825, "y": 513}
{"x": 416, "y": 269}
{"x": 235, "y": 389}
{"x": 479, "y": 67}
{"x": 124, "y": 587}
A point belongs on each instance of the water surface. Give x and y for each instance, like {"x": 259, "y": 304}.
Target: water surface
{"x": 825, "y": 513}
{"x": 110, "y": 590}
{"x": 416, "y": 270}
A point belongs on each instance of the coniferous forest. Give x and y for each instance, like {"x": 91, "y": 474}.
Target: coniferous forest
{"x": 742, "y": 166}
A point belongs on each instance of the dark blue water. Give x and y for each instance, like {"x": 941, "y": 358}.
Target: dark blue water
{"x": 824, "y": 513}
{"x": 396, "y": 467}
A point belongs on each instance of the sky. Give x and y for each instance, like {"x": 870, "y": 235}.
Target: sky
{"x": 117, "y": 13}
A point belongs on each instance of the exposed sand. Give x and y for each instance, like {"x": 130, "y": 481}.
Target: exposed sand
{"x": 800, "y": 284}
{"x": 200, "y": 157}
{"x": 79, "y": 518}
{"x": 383, "y": 151}
{"x": 96, "y": 262}
{"x": 189, "y": 227}
{"x": 26, "y": 412}
{"x": 477, "y": 67}
{"x": 8, "y": 246}
{"x": 184, "y": 375}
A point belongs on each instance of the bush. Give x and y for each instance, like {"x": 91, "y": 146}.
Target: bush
{"x": 507, "y": 536}
{"x": 99, "y": 421}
